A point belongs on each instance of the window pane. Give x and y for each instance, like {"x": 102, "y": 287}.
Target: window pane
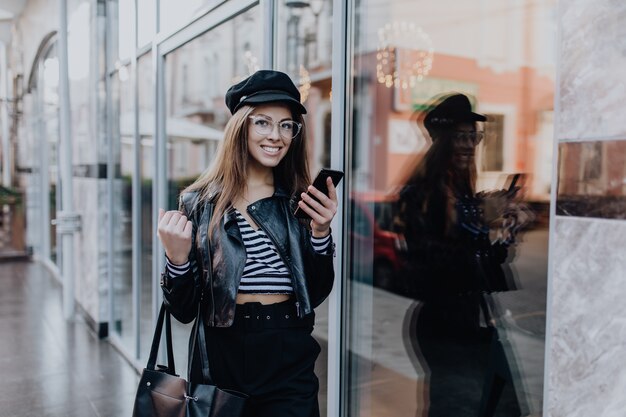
{"x": 442, "y": 259}
{"x": 197, "y": 77}
{"x": 304, "y": 35}
{"x": 123, "y": 131}
{"x": 48, "y": 85}
{"x": 174, "y": 13}
{"x": 146, "y": 24}
{"x": 125, "y": 29}
{"x": 304, "y": 52}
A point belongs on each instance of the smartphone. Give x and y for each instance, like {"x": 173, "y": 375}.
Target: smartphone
{"x": 320, "y": 183}
{"x": 511, "y": 183}
{"x": 512, "y": 180}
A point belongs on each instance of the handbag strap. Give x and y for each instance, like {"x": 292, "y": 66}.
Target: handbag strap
{"x": 164, "y": 314}
{"x": 168, "y": 342}
{"x": 199, "y": 334}
{"x": 199, "y": 339}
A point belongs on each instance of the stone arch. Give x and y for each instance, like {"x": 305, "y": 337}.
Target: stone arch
{"x": 46, "y": 43}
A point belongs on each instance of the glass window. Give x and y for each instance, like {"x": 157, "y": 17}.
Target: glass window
{"x": 48, "y": 97}
{"x": 174, "y": 14}
{"x": 304, "y": 41}
{"x": 447, "y": 247}
{"x": 79, "y": 30}
{"x": 146, "y": 24}
{"x": 123, "y": 150}
{"x": 304, "y": 35}
{"x": 303, "y": 50}
{"x": 125, "y": 29}
{"x": 197, "y": 77}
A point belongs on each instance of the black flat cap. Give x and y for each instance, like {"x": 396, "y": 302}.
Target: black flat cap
{"x": 264, "y": 86}
{"x": 453, "y": 109}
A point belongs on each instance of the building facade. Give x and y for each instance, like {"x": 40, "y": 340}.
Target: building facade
{"x": 146, "y": 85}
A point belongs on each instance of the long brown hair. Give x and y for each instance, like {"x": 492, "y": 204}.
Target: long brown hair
{"x": 432, "y": 184}
{"x": 225, "y": 179}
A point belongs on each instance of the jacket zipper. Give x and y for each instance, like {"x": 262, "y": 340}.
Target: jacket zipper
{"x": 206, "y": 271}
{"x": 293, "y": 278}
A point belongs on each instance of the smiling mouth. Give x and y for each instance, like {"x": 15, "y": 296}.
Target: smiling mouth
{"x": 467, "y": 154}
{"x": 270, "y": 149}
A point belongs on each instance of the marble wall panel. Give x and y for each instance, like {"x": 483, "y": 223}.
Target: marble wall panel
{"x": 592, "y": 179}
{"x": 587, "y": 334}
{"x": 592, "y": 61}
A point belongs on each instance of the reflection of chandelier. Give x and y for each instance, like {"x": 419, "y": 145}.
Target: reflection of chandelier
{"x": 404, "y": 56}
{"x": 305, "y": 84}
{"x": 252, "y": 62}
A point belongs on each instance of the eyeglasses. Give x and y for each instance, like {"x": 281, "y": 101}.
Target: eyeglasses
{"x": 474, "y": 136}
{"x": 288, "y": 129}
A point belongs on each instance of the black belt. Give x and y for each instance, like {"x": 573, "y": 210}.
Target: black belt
{"x": 270, "y": 316}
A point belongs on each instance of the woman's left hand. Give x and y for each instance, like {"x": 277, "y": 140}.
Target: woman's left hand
{"x": 321, "y": 213}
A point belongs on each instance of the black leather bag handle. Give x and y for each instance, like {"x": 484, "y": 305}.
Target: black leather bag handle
{"x": 156, "y": 341}
{"x": 199, "y": 339}
{"x": 199, "y": 334}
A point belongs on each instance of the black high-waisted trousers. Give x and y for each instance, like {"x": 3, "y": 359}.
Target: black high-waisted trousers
{"x": 270, "y": 355}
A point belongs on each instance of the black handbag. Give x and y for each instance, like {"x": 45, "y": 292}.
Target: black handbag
{"x": 162, "y": 393}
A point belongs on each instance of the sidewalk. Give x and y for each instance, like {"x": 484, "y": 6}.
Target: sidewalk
{"x": 50, "y": 367}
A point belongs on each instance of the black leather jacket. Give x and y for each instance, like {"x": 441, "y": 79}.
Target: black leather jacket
{"x": 312, "y": 274}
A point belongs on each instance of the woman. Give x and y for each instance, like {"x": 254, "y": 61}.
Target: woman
{"x": 439, "y": 213}
{"x": 451, "y": 264}
{"x": 268, "y": 270}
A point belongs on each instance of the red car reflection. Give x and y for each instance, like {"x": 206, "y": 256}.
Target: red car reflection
{"x": 374, "y": 256}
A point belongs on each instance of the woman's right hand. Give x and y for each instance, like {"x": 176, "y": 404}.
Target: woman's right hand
{"x": 174, "y": 231}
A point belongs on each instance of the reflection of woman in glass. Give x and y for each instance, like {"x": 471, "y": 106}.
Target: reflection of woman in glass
{"x": 268, "y": 270}
{"x": 450, "y": 261}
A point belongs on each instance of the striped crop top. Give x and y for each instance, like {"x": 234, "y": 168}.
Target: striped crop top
{"x": 264, "y": 272}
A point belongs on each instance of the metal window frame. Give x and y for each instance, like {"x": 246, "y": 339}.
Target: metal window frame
{"x": 553, "y": 217}
{"x": 340, "y": 152}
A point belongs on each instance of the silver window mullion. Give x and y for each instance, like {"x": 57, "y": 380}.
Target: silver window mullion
{"x": 549, "y": 337}
{"x": 340, "y": 145}
{"x": 136, "y": 194}
{"x": 268, "y": 27}
{"x": 108, "y": 57}
{"x": 44, "y": 169}
{"x": 159, "y": 181}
